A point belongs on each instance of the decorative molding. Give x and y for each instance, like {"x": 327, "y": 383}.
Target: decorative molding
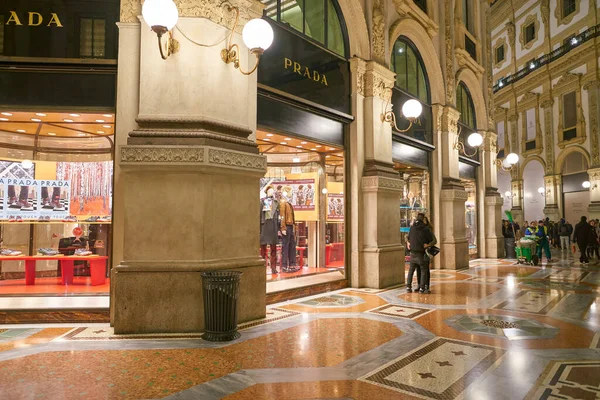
{"x": 154, "y": 154}
{"x": 547, "y": 104}
{"x": 549, "y": 128}
{"x": 531, "y": 19}
{"x": 449, "y": 120}
{"x": 510, "y": 28}
{"x": 449, "y": 59}
{"x": 374, "y": 183}
{"x": 490, "y": 71}
{"x": 237, "y": 159}
{"x": 592, "y": 88}
{"x": 213, "y": 10}
{"x": 408, "y": 9}
{"x": 378, "y": 81}
{"x": 453, "y": 194}
{"x": 558, "y": 13}
{"x": 499, "y": 43}
{"x": 545, "y": 8}
{"x": 594, "y": 174}
{"x": 378, "y": 31}
{"x": 493, "y": 200}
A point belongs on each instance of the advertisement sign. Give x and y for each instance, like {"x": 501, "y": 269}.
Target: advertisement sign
{"x": 34, "y": 198}
{"x": 301, "y": 192}
{"x": 335, "y": 207}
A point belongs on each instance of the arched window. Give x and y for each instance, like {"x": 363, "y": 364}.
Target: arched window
{"x": 320, "y": 20}
{"x": 410, "y": 72}
{"x": 464, "y": 104}
{"x": 411, "y": 83}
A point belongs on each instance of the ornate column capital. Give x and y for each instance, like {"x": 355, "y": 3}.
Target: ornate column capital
{"x": 358, "y": 69}
{"x": 547, "y": 103}
{"x": 449, "y": 119}
{"x": 513, "y": 117}
{"x": 378, "y": 81}
{"x": 591, "y": 84}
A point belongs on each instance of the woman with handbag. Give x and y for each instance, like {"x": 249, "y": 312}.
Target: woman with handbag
{"x": 430, "y": 251}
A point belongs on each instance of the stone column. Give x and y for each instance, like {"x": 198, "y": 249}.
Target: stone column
{"x": 553, "y": 186}
{"x": 517, "y": 201}
{"x": 189, "y": 176}
{"x": 452, "y": 225}
{"x": 382, "y": 253}
{"x": 594, "y": 207}
{"x": 492, "y": 215}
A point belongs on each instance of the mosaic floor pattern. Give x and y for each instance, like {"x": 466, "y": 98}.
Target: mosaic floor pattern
{"x": 494, "y": 331}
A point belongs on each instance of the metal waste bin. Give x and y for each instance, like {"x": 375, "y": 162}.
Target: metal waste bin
{"x": 220, "y": 292}
{"x": 509, "y": 247}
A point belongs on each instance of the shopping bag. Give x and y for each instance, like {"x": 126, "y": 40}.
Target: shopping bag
{"x": 574, "y": 249}
{"x": 432, "y": 251}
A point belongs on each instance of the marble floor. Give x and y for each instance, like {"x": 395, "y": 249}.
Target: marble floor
{"x": 495, "y": 331}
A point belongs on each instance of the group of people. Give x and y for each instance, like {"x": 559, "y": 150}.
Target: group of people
{"x": 420, "y": 238}
{"x": 558, "y": 235}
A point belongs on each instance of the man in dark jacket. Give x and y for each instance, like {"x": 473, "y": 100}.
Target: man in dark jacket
{"x": 581, "y": 237}
{"x": 419, "y": 238}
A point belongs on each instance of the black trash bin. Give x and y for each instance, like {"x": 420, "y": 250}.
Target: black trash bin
{"x": 220, "y": 292}
{"x": 509, "y": 247}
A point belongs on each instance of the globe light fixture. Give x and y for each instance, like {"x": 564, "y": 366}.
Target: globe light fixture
{"x": 508, "y": 193}
{"x": 586, "y": 184}
{"x": 542, "y": 191}
{"x": 411, "y": 110}
{"x": 162, "y": 16}
{"x": 512, "y": 158}
{"x": 257, "y": 36}
{"x": 474, "y": 140}
{"x": 508, "y": 163}
{"x": 324, "y": 191}
{"x": 26, "y": 164}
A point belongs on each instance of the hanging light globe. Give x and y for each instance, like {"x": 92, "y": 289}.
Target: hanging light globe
{"x": 475, "y": 139}
{"x": 161, "y": 15}
{"x": 512, "y": 158}
{"x": 257, "y": 35}
{"x": 412, "y": 109}
{"x": 586, "y": 184}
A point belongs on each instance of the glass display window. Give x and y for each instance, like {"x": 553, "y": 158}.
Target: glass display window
{"x": 302, "y": 207}
{"x": 471, "y": 217}
{"x": 414, "y": 198}
{"x": 56, "y": 174}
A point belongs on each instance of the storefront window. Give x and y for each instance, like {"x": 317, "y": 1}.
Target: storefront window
{"x": 302, "y": 207}
{"x": 411, "y": 83}
{"x": 415, "y": 197}
{"x": 467, "y": 120}
{"x": 317, "y": 19}
{"x": 56, "y": 172}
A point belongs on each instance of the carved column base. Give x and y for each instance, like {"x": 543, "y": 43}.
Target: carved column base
{"x": 453, "y": 241}
{"x": 187, "y": 210}
{"x": 517, "y": 213}
{"x": 382, "y": 253}
{"x": 553, "y": 212}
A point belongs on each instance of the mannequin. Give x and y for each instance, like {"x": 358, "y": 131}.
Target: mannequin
{"x": 288, "y": 250}
{"x": 269, "y": 221}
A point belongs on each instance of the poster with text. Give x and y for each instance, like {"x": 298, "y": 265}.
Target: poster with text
{"x": 54, "y": 199}
{"x": 335, "y": 207}
{"x": 20, "y": 197}
{"x": 300, "y": 191}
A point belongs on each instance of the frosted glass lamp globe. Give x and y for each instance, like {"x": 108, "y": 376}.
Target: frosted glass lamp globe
{"x": 160, "y": 13}
{"x": 257, "y": 34}
{"x": 412, "y": 109}
{"x": 475, "y": 139}
{"x": 512, "y": 158}
{"x": 586, "y": 184}
{"x": 508, "y": 193}
{"x": 541, "y": 190}
{"x": 26, "y": 164}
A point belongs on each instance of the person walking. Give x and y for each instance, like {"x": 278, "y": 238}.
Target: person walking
{"x": 508, "y": 231}
{"x": 593, "y": 241}
{"x": 425, "y": 275}
{"x": 543, "y": 244}
{"x": 565, "y": 234}
{"x": 419, "y": 237}
{"x": 581, "y": 237}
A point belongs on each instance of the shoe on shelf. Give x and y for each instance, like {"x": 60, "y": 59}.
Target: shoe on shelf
{"x": 408, "y": 289}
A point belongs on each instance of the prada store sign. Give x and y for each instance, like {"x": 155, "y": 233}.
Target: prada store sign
{"x": 33, "y": 18}
{"x": 296, "y": 66}
{"x": 59, "y": 29}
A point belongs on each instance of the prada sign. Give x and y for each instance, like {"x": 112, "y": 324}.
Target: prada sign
{"x": 33, "y": 18}
{"x": 295, "y": 65}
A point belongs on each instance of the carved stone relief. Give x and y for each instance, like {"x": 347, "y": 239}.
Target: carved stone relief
{"x": 548, "y": 126}
{"x": 378, "y": 34}
{"x": 449, "y": 36}
{"x": 592, "y": 88}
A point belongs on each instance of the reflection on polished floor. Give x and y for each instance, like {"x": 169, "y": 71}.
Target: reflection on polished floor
{"x": 494, "y": 331}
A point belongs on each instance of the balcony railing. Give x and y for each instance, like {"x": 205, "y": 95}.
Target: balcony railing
{"x": 554, "y": 55}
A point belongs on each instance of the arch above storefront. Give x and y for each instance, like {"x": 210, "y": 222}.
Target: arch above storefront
{"x": 560, "y": 160}
{"x": 419, "y": 37}
{"x": 527, "y": 161}
{"x": 472, "y": 83}
{"x": 356, "y": 26}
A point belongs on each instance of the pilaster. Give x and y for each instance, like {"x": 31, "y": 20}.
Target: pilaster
{"x": 517, "y": 200}
{"x": 553, "y": 186}
{"x": 549, "y": 135}
{"x": 494, "y": 245}
{"x": 594, "y": 207}
{"x": 453, "y": 241}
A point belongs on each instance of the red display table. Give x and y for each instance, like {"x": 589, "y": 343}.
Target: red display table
{"x": 97, "y": 267}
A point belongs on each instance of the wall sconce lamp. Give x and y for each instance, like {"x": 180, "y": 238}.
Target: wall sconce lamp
{"x": 508, "y": 194}
{"x": 587, "y": 185}
{"x": 508, "y": 163}
{"x": 162, "y": 16}
{"x": 257, "y": 36}
{"x": 542, "y": 191}
{"x": 474, "y": 140}
{"x": 411, "y": 110}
